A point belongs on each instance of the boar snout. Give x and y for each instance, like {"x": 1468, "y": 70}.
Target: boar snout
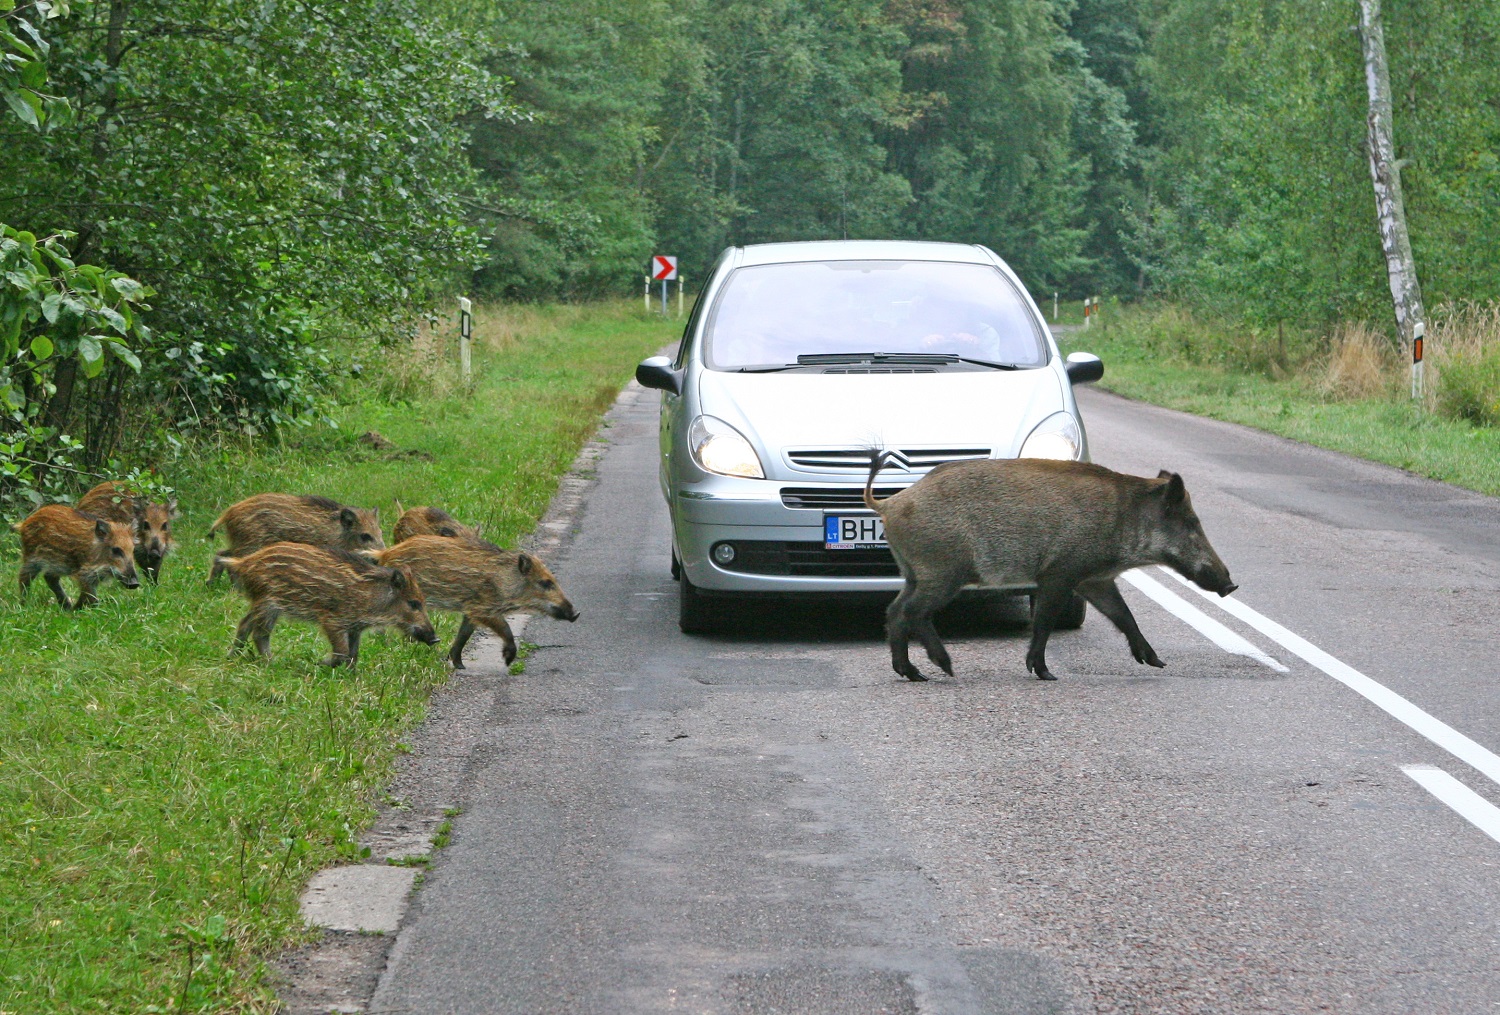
{"x": 563, "y": 611}
{"x": 426, "y": 635}
{"x": 129, "y": 580}
{"x": 1214, "y": 579}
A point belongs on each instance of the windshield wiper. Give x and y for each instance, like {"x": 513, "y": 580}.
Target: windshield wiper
{"x": 991, "y": 364}
{"x": 766, "y": 368}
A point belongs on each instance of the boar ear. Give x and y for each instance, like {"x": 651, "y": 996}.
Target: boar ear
{"x": 1163, "y": 474}
{"x": 398, "y": 578}
{"x": 348, "y": 519}
{"x": 1176, "y": 491}
{"x": 523, "y": 564}
{"x": 172, "y": 508}
{"x": 101, "y": 529}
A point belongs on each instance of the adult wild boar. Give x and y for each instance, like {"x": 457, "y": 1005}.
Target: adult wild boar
{"x": 1058, "y": 527}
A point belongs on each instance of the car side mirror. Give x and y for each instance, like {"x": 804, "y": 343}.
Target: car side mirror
{"x": 657, "y": 373}
{"x": 1083, "y": 367}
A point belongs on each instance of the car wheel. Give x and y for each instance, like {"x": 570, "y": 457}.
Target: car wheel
{"x": 1072, "y": 618}
{"x": 696, "y": 613}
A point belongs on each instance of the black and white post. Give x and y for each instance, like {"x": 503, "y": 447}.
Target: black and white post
{"x": 465, "y": 335}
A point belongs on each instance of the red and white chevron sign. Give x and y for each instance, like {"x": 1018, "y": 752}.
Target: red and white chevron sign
{"x": 664, "y": 268}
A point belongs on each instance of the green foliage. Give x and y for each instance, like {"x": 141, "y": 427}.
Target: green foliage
{"x": 55, "y": 316}
{"x": 1262, "y": 205}
{"x": 688, "y": 127}
{"x": 23, "y": 62}
{"x": 1470, "y": 387}
{"x": 280, "y": 174}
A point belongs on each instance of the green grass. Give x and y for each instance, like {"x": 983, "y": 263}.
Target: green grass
{"x": 163, "y": 804}
{"x": 1147, "y": 364}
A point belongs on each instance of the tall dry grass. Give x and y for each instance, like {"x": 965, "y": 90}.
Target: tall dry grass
{"x": 1361, "y": 363}
{"x": 1462, "y": 364}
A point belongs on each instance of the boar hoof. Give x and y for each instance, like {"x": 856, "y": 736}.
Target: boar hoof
{"x": 1045, "y": 674}
{"x": 910, "y": 672}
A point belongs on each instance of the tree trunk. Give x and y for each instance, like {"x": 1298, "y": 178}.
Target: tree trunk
{"x": 1385, "y": 172}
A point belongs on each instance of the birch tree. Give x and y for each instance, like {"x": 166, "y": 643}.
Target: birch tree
{"x": 1385, "y": 172}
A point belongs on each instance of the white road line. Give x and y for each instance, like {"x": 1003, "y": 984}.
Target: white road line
{"x": 1472, "y": 807}
{"x": 1200, "y": 621}
{"x": 1434, "y": 729}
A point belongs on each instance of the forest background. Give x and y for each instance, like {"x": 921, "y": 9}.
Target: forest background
{"x": 284, "y": 184}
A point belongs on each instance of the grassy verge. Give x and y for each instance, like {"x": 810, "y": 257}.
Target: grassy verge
{"x": 164, "y": 804}
{"x": 1293, "y": 385}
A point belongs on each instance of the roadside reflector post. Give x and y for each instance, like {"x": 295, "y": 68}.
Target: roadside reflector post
{"x": 1097, "y": 300}
{"x": 647, "y": 294}
{"x": 680, "y": 283}
{"x": 465, "y": 334}
{"x": 1054, "y": 308}
{"x": 1417, "y": 332}
{"x": 1087, "y": 319}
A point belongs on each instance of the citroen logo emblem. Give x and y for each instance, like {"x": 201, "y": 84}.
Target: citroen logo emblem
{"x": 899, "y": 460}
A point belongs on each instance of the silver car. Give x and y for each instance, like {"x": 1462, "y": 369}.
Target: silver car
{"x": 797, "y": 360}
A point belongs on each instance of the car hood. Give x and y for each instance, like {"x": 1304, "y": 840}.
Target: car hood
{"x": 958, "y": 409}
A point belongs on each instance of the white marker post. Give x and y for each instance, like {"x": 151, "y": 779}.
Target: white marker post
{"x": 680, "y": 283}
{"x": 1087, "y": 320}
{"x": 1097, "y": 300}
{"x": 664, "y": 270}
{"x": 1054, "y": 308}
{"x": 647, "y": 292}
{"x": 1417, "y": 331}
{"x": 465, "y": 333}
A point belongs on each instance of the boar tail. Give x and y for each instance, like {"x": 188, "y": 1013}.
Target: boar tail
{"x": 878, "y": 459}
{"x": 218, "y": 523}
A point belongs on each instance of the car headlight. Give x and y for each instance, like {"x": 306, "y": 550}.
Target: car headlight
{"x": 1057, "y": 436}
{"x": 719, "y": 448}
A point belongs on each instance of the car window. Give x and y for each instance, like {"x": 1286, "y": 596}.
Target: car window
{"x": 687, "y": 332}
{"x": 770, "y": 314}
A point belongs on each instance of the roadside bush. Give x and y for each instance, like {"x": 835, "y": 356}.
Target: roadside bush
{"x": 1464, "y": 353}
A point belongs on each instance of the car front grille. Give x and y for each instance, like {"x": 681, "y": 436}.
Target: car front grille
{"x": 832, "y": 496}
{"x": 810, "y": 560}
{"x": 858, "y": 459}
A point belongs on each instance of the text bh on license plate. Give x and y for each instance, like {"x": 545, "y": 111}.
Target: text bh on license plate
{"x": 852, "y": 532}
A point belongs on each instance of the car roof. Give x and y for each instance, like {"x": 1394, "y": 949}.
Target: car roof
{"x": 864, "y": 250}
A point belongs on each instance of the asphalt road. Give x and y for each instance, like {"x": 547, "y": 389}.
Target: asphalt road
{"x": 771, "y": 821}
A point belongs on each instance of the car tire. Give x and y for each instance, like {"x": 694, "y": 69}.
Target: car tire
{"x": 1072, "y": 619}
{"x": 696, "y": 613}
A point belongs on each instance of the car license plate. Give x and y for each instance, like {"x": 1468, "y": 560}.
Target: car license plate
{"x": 853, "y": 532}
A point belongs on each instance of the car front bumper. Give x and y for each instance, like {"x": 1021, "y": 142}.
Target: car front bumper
{"x": 779, "y": 548}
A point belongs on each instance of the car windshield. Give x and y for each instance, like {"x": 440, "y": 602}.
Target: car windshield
{"x": 770, "y": 314}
